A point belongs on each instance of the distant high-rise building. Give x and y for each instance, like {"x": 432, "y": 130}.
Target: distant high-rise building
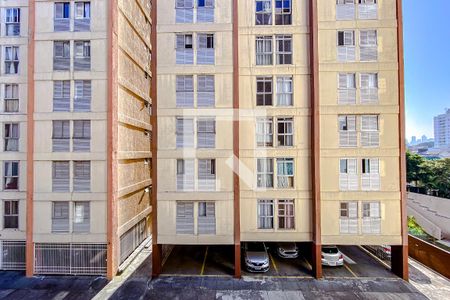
{"x": 424, "y": 138}
{"x": 413, "y": 140}
{"x": 442, "y": 130}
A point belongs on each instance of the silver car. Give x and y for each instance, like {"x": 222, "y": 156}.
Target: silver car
{"x": 287, "y": 250}
{"x": 331, "y": 256}
{"x": 256, "y": 257}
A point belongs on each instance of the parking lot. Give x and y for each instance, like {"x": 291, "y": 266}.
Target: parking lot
{"x": 218, "y": 261}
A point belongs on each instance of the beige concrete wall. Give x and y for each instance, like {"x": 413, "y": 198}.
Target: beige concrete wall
{"x": 387, "y": 109}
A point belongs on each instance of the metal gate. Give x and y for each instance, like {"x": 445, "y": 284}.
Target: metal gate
{"x": 12, "y": 255}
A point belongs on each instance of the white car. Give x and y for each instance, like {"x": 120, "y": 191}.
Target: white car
{"x": 287, "y": 250}
{"x": 331, "y": 256}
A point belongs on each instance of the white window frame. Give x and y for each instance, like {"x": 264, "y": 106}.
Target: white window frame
{"x": 265, "y": 138}
{"x": 286, "y": 211}
{"x": 287, "y": 135}
{"x": 266, "y": 214}
{"x": 265, "y": 174}
{"x": 285, "y": 179}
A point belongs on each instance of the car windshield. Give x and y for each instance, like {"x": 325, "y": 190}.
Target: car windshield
{"x": 255, "y": 247}
{"x": 330, "y": 250}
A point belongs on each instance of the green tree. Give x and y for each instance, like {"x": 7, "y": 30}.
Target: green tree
{"x": 413, "y": 167}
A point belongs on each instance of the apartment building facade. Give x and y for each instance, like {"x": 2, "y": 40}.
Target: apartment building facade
{"x": 76, "y": 125}
{"x": 279, "y": 121}
{"x": 442, "y": 130}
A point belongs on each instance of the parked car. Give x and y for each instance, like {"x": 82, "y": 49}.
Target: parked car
{"x": 331, "y": 256}
{"x": 256, "y": 257}
{"x": 383, "y": 251}
{"x": 287, "y": 250}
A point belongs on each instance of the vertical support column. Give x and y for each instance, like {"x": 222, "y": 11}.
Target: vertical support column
{"x": 29, "y": 257}
{"x": 236, "y": 183}
{"x": 112, "y": 134}
{"x": 315, "y": 140}
{"x": 156, "y": 249}
{"x": 399, "y": 254}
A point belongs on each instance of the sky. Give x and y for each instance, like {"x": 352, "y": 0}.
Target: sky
{"x": 427, "y": 63}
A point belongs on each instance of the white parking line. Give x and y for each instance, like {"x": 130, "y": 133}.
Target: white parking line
{"x": 348, "y": 259}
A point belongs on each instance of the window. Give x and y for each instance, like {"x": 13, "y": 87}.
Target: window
{"x": 264, "y": 169}
{"x": 369, "y": 88}
{"x": 61, "y": 56}
{"x": 265, "y": 214}
{"x": 286, "y": 214}
{"x": 346, "y": 46}
{"x": 82, "y": 16}
{"x": 264, "y": 50}
{"x": 60, "y": 217}
{"x": 184, "y": 49}
{"x": 11, "y": 60}
{"x": 285, "y": 132}
{"x": 81, "y": 136}
{"x": 370, "y": 135}
{"x": 206, "y": 133}
{"x": 12, "y": 21}
{"x": 368, "y": 9}
{"x": 61, "y": 95}
{"x": 347, "y": 131}
{"x": 348, "y": 174}
{"x": 370, "y": 174}
{"x": 11, "y": 214}
{"x": 206, "y": 218}
{"x": 206, "y": 174}
{"x": 11, "y": 97}
{"x": 205, "y": 91}
{"x": 205, "y": 51}
{"x": 11, "y": 137}
{"x": 264, "y": 132}
{"x": 81, "y": 176}
{"x": 284, "y": 91}
{"x": 371, "y": 218}
{"x": 285, "y": 173}
{"x": 205, "y": 11}
{"x": 61, "y": 136}
{"x": 184, "y": 11}
{"x": 263, "y": 12}
{"x": 284, "y": 49}
{"x": 62, "y": 16}
{"x": 82, "y": 57}
{"x": 185, "y": 132}
{"x": 368, "y": 45}
{"x": 345, "y": 9}
{"x": 60, "y": 176}
{"x": 81, "y": 217}
{"x": 185, "y": 91}
{"x": 185, "y": 217}
{"x": 11, "y": 175}
{"x": 348, "y": 220}
{"x": 83, "y": 96}
{"x": 283, "y": 12}
{"x": 185, "y": 174}
{"x": 264, "y": 91}
{"x": 347, "y": 88}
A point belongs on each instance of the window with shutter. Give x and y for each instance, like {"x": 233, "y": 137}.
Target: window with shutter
{"x": 369, "y": 88}
{"x": 185, "y": 132}
{"x": 345, "y": 9}
{"x": 61, "y": 95}
{"x": 12, "y": 21}
{"x": 205, "y": 91}
{"x": 264, "y": 50}
{"x": 60, "y": 217}
{"x": 61, "y": 20}
{"x": 81, "y": 136}
{"x": 348, "y": 174}
{"x": 11, "y": 59}
{"x": 368, "y": 10}
{"x": 347, "y": 132}
{"x": 368, "y": 45}
{"x": 285, "y": 132}
{"x": 264, "y": 175}
{"x": 82, "y": 56}
{"x": 284, "y": 91}
{"x": 346, "y": 46}
{"x": 184, "y": 11}
{"x": 206, "y": 174}
{"x": 61, "y": 136}
{"x": 81, "y": 217}
{"x": 370, "y": 180}
{"x": 370, "y": 134}
{"x": 185, "y": 90}
{"x": 60, "y": 176}
{"x": 185, "y": 218}
{"x": 206, "y": 133}
{"x": 283, "y": 12}
{"x": 285, "y": 173}
{"x": 11, "y": 175}
{"x": 263, "y": 12}
{"x": 205, "y": 11}
{"x": 61, "y": 56}
{"x": 264, "y": 91}
{"x": 184, "y": 49}
{"x": 371, "y": 219}
{"x": 286, "y": 214}
{"x": 83, "y": 96}
{"x": 11, "y": 214}
{"x": 82, "y": 20}
{"x": 11, "y": 136}
{"x": 265, "y": 214}
{"x": 205, "y": 51}
{"x": 185, "y": 174}
{"x": 348, "y": 221}
{"x": 81, "y": 176}
{"x": 11, "y": 98}
{"x": 284, "y": 49}
{"x": 206, "y": 218}
{"x": 264, "y": 132}
{"x": 347, "y": 88}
